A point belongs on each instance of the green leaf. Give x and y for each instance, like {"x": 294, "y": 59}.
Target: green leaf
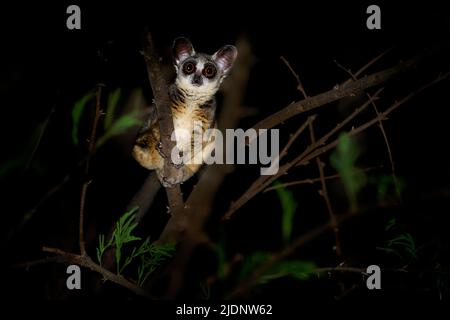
{"x": 10, "y": 166}
{"x": 118, "y": 127}
{"x": 252, "y": 262}
{"x": 122, "y": 234}
{"x": 289, "y": 205}
{"x": 113, "y": 100}
{"x": 385, "y": 183}
{"x": 221, "y": 255}
{"x": 36, "y": 138}
{"x": 389, "y": 250}
{"x": 100, "y": 248}
{"x": 297, "y": 269}
{"x": 343, "y": 159}
{"x": 153, "y": 257}
{"x": 206, "y": 290}
{"x": 300, "y": 270}
{"x": 77, "y": 112}
{"x": 402, "y": 243}
{"x": 391, "y": 224}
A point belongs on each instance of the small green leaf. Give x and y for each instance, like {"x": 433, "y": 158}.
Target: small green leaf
{"x": 343, "y": 159}
{"x": 77, "y": 112}
{"x": 122, "y": 234}
{"x": 10, "y": 166}
{"x": 118, "y": 127}
{"x": 297, "y": 269}
{"x": 153, "y": 257}
{"x": 386, "y": 183}
{"x": 289, "y": 205}
{"x": 113, "y": 100}
{"x": 403, "y": 243}
{"x": 252, "y": 262}
{"x": 221, "y": 256}
{"x": 300, "y": 270}
{"x": 391, "y": 224}
{"x": 206, "y": 290}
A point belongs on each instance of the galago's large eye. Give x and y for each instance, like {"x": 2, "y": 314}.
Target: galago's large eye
{"x": 188, "y": 67}
{"x": 209, "y": 71}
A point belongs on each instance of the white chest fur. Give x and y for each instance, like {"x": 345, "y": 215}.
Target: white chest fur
{"x": 186, "y": 125}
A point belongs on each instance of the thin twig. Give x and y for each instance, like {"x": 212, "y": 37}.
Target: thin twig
{"x": 312, "y": 180}
{"x": 86, "y": 261}
{"x": 383, "y": 132}
{"x": 91, "y": 147}
{"x": 81, "y": 223}
{"x": 368, "y": 64}
{"x": 29, "y": 264}
{"x": 383, "y": 116}
{"x": 42, "y": 129}
{"x": 299, "y": 83}
{"x": 324, "y": 194}
{"x": 291, "y": 140}
{"x": 342, "y": 269}
{"x": 294, "y": 137}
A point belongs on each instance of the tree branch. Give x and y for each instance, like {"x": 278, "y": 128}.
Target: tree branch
{"x": 315, "y": 150}
{"x": 348, "y": 88}
{"x": 264, "y": 181}
{"x": 85, "y": 186}
{"x": 86, "y": 261}
{"x": 299, "y": 83}
{"x": 160, "y": 81}
{"x": 313, "y": 180}
{"x": 383, "y": 133}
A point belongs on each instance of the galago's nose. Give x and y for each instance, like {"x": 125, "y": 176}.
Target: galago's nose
{"x": 197, "y": 80}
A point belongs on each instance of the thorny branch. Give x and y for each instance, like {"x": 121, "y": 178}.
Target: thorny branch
{"x": 324, "y": 193}
{"x": 383, "y": 132}
{"x": 348, "y": 88}
{"x": 311, "y": 181}
{"x": 299, "y": 83}
{"x": 315, "y": 150}
{"x": 264, "y": 181}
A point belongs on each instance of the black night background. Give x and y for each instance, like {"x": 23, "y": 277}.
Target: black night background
{"x": 395, "y": 220}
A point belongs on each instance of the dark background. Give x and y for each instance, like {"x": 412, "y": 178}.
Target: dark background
{"x": 44, "y": 66}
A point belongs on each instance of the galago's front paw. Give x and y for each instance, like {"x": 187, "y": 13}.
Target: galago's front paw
{"x": 169, "y": 182}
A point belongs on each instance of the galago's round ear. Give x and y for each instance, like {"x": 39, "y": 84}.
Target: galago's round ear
{"x": 225, "y": 58}
{"x": 182, "y": 49}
